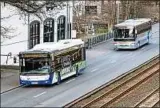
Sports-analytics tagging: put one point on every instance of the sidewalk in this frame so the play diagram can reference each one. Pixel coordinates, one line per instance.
(9, 79)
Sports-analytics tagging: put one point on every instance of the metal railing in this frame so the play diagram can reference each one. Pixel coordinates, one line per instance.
(91, 41)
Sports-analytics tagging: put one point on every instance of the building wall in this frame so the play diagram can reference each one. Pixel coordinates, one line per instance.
(80, 6)
(95, 3)
(20, 40)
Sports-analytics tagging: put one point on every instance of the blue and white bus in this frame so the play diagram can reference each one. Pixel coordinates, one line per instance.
(132, 33)
(50, 62)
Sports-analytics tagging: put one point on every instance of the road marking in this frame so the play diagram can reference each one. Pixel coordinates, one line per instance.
(70, 80)
(94, 70)
(143, 48)
(113, 61)
(39, 94)
(130, 53)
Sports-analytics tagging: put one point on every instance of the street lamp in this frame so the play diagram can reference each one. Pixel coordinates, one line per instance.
(117, 2)
(0, 21)
(28, 42)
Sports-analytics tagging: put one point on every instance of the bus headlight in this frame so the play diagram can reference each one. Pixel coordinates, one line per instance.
(115, 43)
(46, 77)
(132, 44)
(22, 77)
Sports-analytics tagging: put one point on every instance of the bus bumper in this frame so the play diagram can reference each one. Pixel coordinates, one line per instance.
(24, 82)
(125, 46)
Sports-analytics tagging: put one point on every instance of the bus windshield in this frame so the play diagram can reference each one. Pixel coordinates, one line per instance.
(124, 33)
(35, 65)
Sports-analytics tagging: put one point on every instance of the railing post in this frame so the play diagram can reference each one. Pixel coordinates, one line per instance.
(90, 43)
(86, 44)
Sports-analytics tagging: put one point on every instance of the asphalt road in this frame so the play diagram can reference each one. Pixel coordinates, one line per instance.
(104, 64)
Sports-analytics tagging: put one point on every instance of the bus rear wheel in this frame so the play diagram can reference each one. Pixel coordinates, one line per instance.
(148, 41)
(77, 71)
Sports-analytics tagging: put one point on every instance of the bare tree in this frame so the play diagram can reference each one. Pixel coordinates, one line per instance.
(78, 18)
(136, 9)
(109, 12)
(34, 7)
(25, 7)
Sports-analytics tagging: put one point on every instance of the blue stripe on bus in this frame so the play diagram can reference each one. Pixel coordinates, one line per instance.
(51, 75)
(49, 81)
(35, 82)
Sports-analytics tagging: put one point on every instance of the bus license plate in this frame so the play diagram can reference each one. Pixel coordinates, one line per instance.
(34, 82)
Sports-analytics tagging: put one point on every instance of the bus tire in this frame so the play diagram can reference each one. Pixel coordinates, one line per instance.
(77, 71)
(147, 40)
(77, 74)
(59, 78)
(138, 44)
(116, 49)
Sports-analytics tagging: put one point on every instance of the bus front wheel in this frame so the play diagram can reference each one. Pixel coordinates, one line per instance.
(116, 49)
(59, 79)
(138, 44)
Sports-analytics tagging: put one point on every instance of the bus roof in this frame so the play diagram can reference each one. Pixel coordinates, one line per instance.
(133, 22)
(55, 46)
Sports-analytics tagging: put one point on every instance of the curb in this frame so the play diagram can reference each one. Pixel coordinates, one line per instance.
(12, 89)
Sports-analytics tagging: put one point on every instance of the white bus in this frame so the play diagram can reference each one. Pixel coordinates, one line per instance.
(51, 62)
(132, 33)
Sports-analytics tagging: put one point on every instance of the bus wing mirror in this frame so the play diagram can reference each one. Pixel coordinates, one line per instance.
(135, 31)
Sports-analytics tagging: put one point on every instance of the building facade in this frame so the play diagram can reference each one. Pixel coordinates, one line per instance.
(30, 30)
(85, 7)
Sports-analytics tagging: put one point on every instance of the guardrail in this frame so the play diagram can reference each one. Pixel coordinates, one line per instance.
(91, 41)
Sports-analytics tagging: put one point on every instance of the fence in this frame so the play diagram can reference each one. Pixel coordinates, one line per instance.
(91, 41)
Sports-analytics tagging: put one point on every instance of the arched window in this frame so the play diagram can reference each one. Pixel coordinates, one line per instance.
(61, 28)
(34, 33)
(48, 30)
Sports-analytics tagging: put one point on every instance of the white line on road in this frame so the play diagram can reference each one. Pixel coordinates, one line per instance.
(94, 70)
(130, 53)
(70, 80)
(113, 61)
(39, 94)
(143, 48)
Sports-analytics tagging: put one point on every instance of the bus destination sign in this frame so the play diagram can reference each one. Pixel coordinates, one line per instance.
(34, 55)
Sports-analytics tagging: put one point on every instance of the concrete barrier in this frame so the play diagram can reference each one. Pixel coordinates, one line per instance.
(8, 67)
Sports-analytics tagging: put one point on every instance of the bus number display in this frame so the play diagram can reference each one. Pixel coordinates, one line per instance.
(34, 55)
